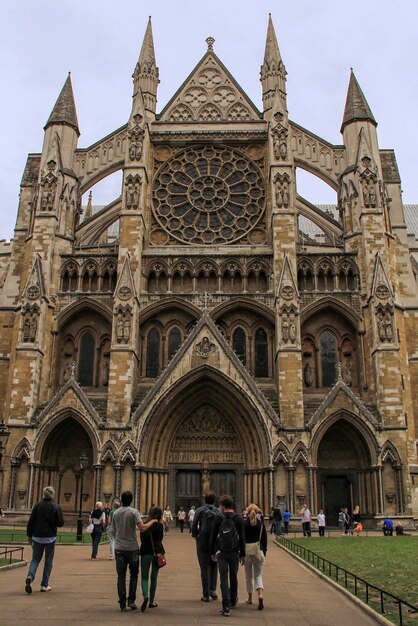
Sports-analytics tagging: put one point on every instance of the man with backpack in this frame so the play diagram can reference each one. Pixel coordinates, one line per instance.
(201, 530)
(227, 547)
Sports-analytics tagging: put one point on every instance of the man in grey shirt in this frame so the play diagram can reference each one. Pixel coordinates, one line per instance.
(125, 522)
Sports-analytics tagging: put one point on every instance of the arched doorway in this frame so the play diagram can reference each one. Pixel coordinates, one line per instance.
(344, 475)
(204, 434)
(60, 465)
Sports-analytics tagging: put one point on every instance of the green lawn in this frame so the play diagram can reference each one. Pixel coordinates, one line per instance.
(387, 562)
(62, 537)
(7, 562)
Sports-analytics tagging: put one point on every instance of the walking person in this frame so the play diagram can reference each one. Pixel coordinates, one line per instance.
(41, 530)
(286, 520)
(201, 531)
(181, 516)
(98, 519)
(190, 517)
(357, 525)
(125, 521)
(255, 550)
(278, 518)
(341, 517)
(227, 547)
(321, 523)
(151, 545)
(109, 529)
(306, 520)
(347, 522)
(167, 519)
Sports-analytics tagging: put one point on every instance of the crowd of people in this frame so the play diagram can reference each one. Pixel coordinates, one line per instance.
(224, 540)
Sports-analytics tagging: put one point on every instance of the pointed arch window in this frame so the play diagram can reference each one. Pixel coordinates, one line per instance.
(239, 345)
(328, 350)
(174, 342)
(261, 365)
(153, 353)
(86, 360)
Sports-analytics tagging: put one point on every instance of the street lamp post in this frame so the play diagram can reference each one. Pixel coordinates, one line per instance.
(83, 464)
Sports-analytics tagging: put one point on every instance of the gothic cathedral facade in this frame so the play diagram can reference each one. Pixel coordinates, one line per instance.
(193, 332)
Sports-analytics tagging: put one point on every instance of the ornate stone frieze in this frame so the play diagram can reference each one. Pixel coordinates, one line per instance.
(205, 347)
(133, 191)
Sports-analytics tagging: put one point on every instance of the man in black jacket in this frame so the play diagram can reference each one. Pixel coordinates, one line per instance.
(227, 547)
(201, 530)
(42, 526)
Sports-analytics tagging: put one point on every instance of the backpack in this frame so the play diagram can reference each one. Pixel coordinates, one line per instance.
(206, 521)
(228, 538)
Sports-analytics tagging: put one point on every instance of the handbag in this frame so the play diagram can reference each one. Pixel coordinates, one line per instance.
(90, 528)
(160, 560)
(253, 549)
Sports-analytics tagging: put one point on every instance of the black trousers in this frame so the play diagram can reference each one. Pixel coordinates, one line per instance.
(125, 558)
(228, 573)
(208, 569)
(306, 529)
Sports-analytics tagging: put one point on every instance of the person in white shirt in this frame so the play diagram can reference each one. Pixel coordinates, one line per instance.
(167, 519)
(321, 523)
(190, 516)
(306, 520)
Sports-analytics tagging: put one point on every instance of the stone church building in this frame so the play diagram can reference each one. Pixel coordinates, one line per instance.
(210, 327)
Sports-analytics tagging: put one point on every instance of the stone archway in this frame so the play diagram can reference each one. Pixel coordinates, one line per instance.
(204, 434)
(345, 477)
(59, 466)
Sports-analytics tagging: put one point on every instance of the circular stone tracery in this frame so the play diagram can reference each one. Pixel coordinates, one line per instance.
(208, 195)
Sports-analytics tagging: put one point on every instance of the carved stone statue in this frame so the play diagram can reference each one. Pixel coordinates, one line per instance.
(292, 331)
(26, 328)
(285, 330)
(381, 327)
(126, 330)
(33, 329)
(347, 375)
(308, 374)
(119, 328)
(388, 327)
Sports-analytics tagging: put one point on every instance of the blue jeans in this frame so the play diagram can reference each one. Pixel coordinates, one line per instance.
(228, 563)
(123, 559)
(96, 536)
(38, 549)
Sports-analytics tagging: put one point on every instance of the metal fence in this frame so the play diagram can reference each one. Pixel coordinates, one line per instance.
(7, 554)
(353, 583)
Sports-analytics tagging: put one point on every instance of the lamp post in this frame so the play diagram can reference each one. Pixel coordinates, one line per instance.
(83, 464)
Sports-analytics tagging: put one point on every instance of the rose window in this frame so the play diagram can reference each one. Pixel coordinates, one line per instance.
(208, 195)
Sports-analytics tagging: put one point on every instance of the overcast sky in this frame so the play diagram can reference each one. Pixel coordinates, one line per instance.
(99, 42)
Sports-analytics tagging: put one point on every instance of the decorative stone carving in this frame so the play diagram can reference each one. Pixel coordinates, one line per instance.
(308, 375)
(205, 347)
(289, 332)
(287, 292)
(282, 182)
(123, 324)
(136, 138)
(384, 322)
(30, 314)
(133, 191)
(117, 435)
(49, 187)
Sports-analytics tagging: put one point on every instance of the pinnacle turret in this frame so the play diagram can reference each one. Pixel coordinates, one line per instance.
(356, 106)
(273, 71)
(146, 75)
(64, 111)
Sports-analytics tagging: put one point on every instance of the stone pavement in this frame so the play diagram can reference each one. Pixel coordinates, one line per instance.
(84, 592)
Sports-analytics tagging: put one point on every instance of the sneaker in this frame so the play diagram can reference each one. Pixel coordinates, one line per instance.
(224, 612)
(213, 595)
(45, 588)
(205, 599)
(132, 606)
(28, 585)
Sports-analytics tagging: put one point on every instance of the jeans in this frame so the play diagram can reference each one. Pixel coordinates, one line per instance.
(38, 549)
(96, 536)
(147, 563)
(228, 573)
(111, 538)
(208, 569)
(306, 529)
(123, 559)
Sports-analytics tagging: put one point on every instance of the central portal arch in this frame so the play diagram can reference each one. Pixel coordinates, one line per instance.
(205, 434)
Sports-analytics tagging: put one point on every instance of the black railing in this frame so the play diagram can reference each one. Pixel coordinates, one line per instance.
(353, 583)
(7, 553)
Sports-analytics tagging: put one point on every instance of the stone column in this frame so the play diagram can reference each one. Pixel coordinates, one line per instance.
(98, 469)
(117, 470)
(13, 475)
(399, 490)
(291, 487)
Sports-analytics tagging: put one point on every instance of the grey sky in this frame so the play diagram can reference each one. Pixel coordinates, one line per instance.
(99, 41)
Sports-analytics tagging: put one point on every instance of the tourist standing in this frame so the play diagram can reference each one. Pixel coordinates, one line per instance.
(98, 519)
(306, 520)
(41, 529)
(255, 550)
(201, 531)
(110, 535)
(125, 521)
(227, 547)
(387, 527)
(167, 519)
(286, 520)
(151, 545)
(341, 517)
(347, 521)
(321, 523)
(190, 517)
(278, 518)
(181, 516)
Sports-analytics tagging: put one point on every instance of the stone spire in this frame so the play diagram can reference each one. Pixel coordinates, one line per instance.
(89, 208)
(356, 106)
(146, 75)
(64, 111)
(273, 72)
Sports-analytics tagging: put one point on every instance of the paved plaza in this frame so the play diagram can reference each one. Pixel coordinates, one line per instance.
(84, 592)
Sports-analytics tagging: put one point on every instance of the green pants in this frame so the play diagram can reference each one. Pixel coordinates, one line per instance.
(147, 562)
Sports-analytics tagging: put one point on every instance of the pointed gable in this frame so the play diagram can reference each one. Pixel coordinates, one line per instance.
(381, 286)
(210, 94)
(35, 285)
(70, 396)
(356, 105)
